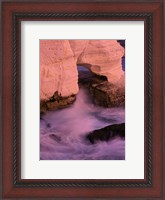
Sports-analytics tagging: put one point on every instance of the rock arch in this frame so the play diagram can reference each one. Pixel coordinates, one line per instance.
(59, 60)
(102, 57)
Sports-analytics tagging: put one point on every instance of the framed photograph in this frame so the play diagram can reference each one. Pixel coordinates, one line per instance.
(82, 100)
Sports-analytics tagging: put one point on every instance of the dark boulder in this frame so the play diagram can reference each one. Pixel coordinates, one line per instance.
(104, 93)
(107, 95)
(107, 133)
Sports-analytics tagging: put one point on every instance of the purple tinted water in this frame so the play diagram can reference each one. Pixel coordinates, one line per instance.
(63, 131)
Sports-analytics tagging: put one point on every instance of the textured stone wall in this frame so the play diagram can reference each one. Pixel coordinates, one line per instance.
(103, 57)
(58, 69)
(59, 60)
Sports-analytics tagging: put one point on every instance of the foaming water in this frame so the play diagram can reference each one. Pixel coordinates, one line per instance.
(63, 132)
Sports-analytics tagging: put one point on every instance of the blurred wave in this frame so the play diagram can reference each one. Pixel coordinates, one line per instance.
(63, 132)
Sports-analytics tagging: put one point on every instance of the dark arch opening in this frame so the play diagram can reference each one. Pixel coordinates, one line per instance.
(85, 75)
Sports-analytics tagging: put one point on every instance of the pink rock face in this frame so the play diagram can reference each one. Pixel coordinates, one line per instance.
(78, 47)
(58, 69)
(59, 60)
(103, 57)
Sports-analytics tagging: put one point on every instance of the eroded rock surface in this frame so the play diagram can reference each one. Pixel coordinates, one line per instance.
(56, 101)
(106, 94)
(58, 69)
(59, 74)
(102, 92)
(107, 133)
(103, 57)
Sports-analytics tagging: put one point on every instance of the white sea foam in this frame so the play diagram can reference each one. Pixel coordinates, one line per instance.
(63, 132)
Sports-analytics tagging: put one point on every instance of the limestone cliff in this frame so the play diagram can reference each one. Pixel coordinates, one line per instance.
(102, 57)
(58, 67)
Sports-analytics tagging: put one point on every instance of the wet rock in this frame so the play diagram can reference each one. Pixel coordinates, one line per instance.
(56, 102)
(106, 94)
(107, 133)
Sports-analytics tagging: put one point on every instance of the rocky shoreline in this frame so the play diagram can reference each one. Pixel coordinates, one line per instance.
(103, 93)
(59, 60)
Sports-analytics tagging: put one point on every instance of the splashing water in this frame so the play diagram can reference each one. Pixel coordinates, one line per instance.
(63, 132)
